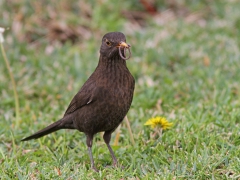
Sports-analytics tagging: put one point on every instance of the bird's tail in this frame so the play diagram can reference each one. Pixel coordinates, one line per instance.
(60, 124)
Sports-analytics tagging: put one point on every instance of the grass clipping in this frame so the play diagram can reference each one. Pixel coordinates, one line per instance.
(11, 77)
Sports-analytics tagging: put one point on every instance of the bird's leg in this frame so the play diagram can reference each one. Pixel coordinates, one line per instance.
(89, 144)
(107, 138)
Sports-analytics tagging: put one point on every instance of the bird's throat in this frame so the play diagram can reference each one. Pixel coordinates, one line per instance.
(112, 69)
(112, 62)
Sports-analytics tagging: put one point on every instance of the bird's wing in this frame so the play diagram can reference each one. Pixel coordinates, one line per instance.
(84, 97)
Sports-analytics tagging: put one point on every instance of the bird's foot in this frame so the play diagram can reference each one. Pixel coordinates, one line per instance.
(95, 169)
(115, 166)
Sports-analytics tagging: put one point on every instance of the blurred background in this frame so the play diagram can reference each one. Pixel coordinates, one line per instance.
(169, 39)
(185, 59)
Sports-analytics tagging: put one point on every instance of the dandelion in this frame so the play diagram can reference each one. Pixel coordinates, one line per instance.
(159, 122)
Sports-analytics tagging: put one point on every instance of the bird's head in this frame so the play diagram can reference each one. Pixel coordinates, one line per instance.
(114, 45)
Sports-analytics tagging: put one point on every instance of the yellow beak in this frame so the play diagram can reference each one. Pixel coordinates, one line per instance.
(123, 44)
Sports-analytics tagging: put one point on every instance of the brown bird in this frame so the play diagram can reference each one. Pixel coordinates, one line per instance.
(104, 99)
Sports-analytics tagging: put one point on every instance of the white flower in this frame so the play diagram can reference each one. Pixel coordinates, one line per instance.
(1, 34)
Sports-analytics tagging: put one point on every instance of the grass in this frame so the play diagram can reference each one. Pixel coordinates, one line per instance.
(186, 69)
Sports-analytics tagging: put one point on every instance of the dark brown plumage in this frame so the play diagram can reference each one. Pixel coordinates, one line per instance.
(104, 99)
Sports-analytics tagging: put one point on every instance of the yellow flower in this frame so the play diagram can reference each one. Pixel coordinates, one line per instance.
(160, 122)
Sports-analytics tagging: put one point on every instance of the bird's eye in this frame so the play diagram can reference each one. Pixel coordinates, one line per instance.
(108, 43)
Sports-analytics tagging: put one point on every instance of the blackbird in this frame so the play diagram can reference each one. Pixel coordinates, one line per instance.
(104, 99)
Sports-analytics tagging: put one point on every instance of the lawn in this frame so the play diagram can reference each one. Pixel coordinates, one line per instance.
(186, 63)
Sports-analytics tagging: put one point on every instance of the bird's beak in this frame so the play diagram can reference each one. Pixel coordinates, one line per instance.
(123, 45)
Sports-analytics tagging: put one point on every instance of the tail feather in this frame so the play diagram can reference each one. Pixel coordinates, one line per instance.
(60, 124)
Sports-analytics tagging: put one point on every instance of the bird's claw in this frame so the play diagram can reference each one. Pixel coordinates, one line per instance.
(114, 166)
(95, 169)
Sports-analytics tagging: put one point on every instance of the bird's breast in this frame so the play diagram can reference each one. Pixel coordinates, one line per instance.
(115, 93)
(115, 101)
